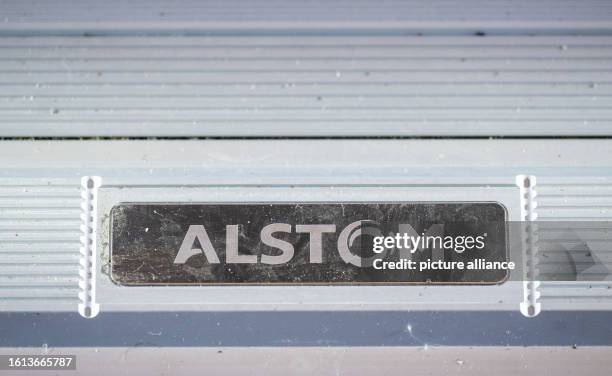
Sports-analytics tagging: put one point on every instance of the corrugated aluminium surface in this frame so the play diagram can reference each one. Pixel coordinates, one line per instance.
(40, 232)
(160, 15)
(305, 68)
(586, 199)
(305, 86)
(39, 244)
(295, 68)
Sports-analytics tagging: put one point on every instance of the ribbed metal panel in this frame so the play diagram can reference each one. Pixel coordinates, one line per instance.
(295, 10)
(19, 12)
(39, 219)
(39, 246)
(583, 208)
(305, 86)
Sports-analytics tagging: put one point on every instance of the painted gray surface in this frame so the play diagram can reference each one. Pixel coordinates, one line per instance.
(228, 329)
(354, 361)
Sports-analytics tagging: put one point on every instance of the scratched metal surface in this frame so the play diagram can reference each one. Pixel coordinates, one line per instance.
(145, 239)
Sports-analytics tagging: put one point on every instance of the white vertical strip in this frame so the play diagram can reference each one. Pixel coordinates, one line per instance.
(530, 306)
(88, 307)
